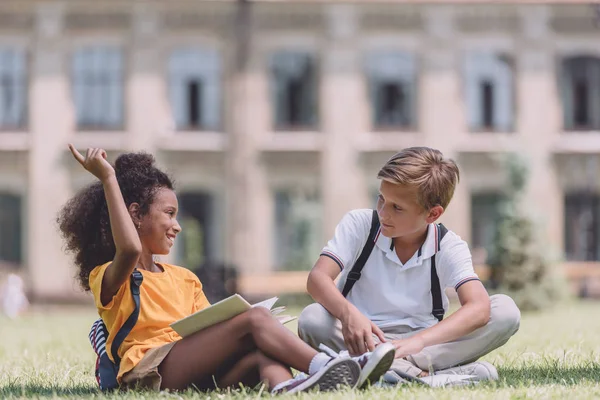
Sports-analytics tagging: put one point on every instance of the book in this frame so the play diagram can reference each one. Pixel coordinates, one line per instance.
(222, 311)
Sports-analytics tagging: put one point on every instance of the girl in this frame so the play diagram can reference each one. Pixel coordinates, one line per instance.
(117, 225)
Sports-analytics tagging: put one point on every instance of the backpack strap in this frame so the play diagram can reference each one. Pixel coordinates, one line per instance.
(135, 282)
(436, 290)
(354, 274)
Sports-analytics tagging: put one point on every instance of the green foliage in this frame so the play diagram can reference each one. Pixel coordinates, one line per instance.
(520, 264)
(193, 240)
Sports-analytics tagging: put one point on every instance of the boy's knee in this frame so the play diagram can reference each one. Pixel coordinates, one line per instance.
(313, 320)
(505, 314)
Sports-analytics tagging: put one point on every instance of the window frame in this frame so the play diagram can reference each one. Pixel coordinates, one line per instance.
(491, 66)
(313, 119)
(22, 82)
(197, 63)
(379, 73)
(119, 82)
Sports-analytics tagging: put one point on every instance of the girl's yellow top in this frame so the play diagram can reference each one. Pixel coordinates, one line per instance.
(165, 297)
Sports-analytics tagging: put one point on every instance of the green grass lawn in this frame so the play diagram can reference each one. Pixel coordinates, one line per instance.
(556, 354)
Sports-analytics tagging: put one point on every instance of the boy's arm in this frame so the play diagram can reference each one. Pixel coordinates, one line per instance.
(473, 314)
(357, 329)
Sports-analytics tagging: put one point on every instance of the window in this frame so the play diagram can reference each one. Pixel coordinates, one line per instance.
(10, 229)
(195, 89)
(581, 93)
(582, 225)
(489, 92)
(297, 230)
(392, 89)
(13, 89)
(98, 88)
(484, 219)
(294, 86)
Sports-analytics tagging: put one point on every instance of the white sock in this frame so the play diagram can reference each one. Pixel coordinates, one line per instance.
(318, 362)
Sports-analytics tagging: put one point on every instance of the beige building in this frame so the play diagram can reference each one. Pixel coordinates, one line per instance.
(274, 117)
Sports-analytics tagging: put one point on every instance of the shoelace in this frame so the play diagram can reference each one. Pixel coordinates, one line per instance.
(342, 354)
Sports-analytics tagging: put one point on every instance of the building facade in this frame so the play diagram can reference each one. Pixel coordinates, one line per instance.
(274, 117)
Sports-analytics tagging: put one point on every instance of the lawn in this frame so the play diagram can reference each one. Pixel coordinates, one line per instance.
(556, 354)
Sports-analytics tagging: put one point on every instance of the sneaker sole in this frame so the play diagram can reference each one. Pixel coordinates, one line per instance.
(341, 372)
(374, 370)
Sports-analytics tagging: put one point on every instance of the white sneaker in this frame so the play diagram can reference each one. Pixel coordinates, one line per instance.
(337, 372)
(373, 364)
(480, 370)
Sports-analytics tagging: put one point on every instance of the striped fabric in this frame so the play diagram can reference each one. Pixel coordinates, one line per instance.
(98, 336)
(334, 257)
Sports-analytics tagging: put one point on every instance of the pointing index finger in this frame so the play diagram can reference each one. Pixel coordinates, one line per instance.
(76, 154)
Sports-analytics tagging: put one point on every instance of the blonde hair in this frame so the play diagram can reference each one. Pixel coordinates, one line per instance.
(426, 169)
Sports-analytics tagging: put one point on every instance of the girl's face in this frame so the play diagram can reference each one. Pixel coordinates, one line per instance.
(160, 227)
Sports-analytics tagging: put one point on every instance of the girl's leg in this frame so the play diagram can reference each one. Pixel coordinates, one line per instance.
(201, 355)
(254, 369)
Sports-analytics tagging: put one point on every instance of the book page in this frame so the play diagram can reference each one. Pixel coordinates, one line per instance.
(268, 303)
(284, 319)
(278, 310)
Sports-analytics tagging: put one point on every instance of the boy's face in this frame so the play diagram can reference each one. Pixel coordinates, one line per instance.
(399, 212)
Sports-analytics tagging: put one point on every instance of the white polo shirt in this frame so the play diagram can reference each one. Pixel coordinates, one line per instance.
(390, 293)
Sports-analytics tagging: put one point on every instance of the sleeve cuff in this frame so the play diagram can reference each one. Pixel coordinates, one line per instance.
(462, 282)
(334, 258)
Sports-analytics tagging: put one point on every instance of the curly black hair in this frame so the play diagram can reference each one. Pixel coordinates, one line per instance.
(84, 221)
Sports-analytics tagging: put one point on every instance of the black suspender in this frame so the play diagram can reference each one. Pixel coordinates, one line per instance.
(355, 272)
(436, 290)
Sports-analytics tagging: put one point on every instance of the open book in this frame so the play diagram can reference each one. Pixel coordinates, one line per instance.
(224, 310)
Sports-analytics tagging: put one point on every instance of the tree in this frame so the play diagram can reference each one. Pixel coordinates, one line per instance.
(520, 266)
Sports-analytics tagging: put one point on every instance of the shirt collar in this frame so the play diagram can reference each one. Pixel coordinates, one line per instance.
(427, 249)
(429, 246)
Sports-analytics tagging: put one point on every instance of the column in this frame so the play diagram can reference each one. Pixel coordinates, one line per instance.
(343, 117)
(146, 96)
(246, 211)
(442, 114)
(540, 123)
(51, 123)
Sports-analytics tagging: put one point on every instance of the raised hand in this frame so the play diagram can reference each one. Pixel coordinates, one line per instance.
(95, 162)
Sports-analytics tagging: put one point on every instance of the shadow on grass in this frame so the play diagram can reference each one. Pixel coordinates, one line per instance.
(552, 373)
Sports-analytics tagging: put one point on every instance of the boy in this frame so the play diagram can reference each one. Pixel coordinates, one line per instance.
(398, 297)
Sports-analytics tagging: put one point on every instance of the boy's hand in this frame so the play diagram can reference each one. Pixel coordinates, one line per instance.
(95, 162)
(407, 347)
(358, 332)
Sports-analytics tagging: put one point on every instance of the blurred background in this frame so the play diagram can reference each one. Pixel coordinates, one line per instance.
(275, 116)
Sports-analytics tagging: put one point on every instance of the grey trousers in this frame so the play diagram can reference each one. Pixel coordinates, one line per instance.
(316, 325)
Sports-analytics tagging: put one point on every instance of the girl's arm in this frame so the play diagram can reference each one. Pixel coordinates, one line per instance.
(127, 241)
